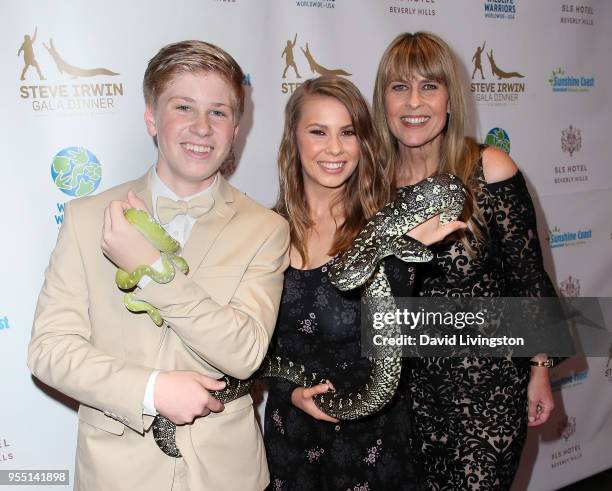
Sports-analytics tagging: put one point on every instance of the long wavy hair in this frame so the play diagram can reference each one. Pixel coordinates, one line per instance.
(429, 56)
(365, 192)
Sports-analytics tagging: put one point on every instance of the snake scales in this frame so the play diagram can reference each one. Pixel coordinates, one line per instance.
(360, 266)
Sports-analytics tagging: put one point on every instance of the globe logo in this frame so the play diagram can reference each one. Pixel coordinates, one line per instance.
(498, 137)
(76, 171)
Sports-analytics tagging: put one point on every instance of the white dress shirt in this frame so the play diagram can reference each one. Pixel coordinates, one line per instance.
(180, 229)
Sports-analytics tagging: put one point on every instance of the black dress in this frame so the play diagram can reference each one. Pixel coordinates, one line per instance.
(470, 414)
(319, 327)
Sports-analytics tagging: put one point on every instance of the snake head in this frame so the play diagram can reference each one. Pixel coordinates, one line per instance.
(385, 234)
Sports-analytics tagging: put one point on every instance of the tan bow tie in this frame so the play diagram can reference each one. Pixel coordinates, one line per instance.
(167, 208)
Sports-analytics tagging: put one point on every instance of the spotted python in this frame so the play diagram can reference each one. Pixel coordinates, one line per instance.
(360, 266)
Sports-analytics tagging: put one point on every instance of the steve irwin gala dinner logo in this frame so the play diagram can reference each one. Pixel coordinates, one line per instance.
(52, 82)
(493, 82)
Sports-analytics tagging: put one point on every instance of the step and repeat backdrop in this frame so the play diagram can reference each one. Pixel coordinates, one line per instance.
(537, 83)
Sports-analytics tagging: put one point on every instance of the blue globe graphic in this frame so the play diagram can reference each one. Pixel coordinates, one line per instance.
(76, 171)
(498, 137)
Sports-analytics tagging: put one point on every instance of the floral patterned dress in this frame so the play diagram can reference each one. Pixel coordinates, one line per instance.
(319, 327)
(470, 414)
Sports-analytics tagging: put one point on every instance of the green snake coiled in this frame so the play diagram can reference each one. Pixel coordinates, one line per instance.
(360, 266)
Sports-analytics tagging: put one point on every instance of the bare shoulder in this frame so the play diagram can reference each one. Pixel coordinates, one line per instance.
(497, 165)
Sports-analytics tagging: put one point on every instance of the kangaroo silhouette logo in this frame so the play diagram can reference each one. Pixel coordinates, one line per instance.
(27, 48)
(315, 67)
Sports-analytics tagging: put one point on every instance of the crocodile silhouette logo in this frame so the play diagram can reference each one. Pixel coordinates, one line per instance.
(315, 66)
(498, 72)
(74, 71)
(321, 70)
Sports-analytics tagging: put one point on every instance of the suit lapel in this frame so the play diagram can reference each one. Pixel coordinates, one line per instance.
(142, 189)
(206, 230)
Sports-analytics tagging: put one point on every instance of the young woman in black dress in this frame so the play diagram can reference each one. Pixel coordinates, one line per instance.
(470, 415)
(330, 184)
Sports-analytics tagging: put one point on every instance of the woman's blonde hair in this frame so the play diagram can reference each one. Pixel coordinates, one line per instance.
(365, 192)
(429, 56)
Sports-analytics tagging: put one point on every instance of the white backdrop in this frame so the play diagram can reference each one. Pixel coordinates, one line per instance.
(546, 88)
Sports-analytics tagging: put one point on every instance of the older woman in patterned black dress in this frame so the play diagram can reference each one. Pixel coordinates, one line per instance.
(470, 415)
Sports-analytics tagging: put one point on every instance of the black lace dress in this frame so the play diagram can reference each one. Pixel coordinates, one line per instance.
(319, 327)
(470, 414)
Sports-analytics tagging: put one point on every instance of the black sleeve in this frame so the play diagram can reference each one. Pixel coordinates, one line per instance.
(516, 238)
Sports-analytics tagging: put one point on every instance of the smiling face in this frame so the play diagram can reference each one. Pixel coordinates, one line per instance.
(416, 111)
(195, 124)
(327, 143)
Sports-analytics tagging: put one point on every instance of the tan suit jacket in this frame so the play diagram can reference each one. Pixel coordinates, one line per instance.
(220, 319)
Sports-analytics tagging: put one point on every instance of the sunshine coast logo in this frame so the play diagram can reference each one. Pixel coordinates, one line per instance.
(317, 4)
(500, 9)
(498, 87)
(413, 7)
(571, 171)
(497, 137)
(291, 72)
(76, 172)
(60, 95)
(576, 14)
(568, 381)
(562, 82)
(558, 238)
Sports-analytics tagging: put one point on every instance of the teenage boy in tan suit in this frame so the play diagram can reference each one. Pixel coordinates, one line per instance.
(219, 318)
